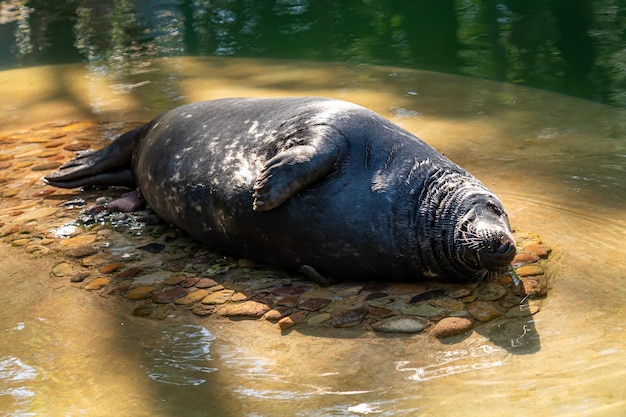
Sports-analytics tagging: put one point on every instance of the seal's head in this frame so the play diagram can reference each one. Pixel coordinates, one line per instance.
(483, 236)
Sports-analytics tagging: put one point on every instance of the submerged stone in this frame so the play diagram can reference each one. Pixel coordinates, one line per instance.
(483, 311)
(539, 249)
(140, 292)
(219, 297)
(401, 324)
(97, 284)
(314, 304)
(452, 326)
(292, 320)
(251, 309)
(491, 292)
(192, 297)
(170, 295)
(349, 318)
(318, 319)
(62, 269)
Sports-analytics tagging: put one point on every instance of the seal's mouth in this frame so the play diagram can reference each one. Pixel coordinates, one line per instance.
(485, 246)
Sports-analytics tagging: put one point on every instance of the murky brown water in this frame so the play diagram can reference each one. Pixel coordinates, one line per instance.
(559, 165)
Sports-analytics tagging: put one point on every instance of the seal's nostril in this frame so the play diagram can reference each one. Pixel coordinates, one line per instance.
(505, 247)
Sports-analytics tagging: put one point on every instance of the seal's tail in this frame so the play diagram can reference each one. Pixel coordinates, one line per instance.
(108, 166)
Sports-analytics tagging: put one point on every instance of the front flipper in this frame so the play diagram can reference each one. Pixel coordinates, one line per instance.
(295, 168)
(315, 276)
(108, 166)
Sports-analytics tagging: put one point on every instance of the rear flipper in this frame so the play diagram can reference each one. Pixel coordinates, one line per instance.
(108, 166)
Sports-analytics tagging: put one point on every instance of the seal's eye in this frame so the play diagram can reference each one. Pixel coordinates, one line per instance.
(497, 211)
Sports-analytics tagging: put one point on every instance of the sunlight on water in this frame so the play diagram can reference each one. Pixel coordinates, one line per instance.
(181, 356)
(447, 363)
(15, 378)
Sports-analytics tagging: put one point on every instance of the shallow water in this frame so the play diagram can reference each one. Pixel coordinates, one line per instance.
(558, 164)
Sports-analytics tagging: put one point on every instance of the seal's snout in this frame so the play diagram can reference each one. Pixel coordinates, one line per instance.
(502, 253)
(506, 250)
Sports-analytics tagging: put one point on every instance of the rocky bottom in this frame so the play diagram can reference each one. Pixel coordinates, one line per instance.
(158, 269)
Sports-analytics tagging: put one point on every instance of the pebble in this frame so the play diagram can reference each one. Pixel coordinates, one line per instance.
(539, 249)
(245, 309)
(170, 295)
(238, 296)
(219, 297)
(11, 229)
(151, 279)
(452, 326)
(509, 301)
(290, 301)
(81, 252)
(483, 311)
(289, 291)
(491, 292)
(175, 280)
(37, 249)
(378, 312)
(96, 284)
(200, 309)
(530, 287)
(318, 319)
(458, 292)
(140, 292)
(96, 259)
(189, 282)
(110, 268)
(349, 318)
(293, 319)
(36, 214)
(314, 304)
(192, 297)
(424, 310)
(449, 304)
(128, 273)
(401, 324)
(318, 293)
(348, 291)
(277, 313)
(80, 277)
(524, 258)
(62, 269)
(529, 270)
(205, 283)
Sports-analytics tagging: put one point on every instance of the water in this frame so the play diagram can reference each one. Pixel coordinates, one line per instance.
(557, 163)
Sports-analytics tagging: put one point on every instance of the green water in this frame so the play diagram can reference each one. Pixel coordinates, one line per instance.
(559, 45)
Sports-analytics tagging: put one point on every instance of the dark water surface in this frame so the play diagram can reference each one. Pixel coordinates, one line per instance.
(573, 47)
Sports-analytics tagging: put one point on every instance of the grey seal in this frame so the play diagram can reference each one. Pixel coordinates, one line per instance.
(318, 184)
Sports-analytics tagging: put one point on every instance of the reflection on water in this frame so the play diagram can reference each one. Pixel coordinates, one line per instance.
(558, 164)
(180, 356)
(15, 381)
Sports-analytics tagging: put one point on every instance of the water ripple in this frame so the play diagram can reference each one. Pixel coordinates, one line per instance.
(14, 376)
(180, 356)
(452, 362)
